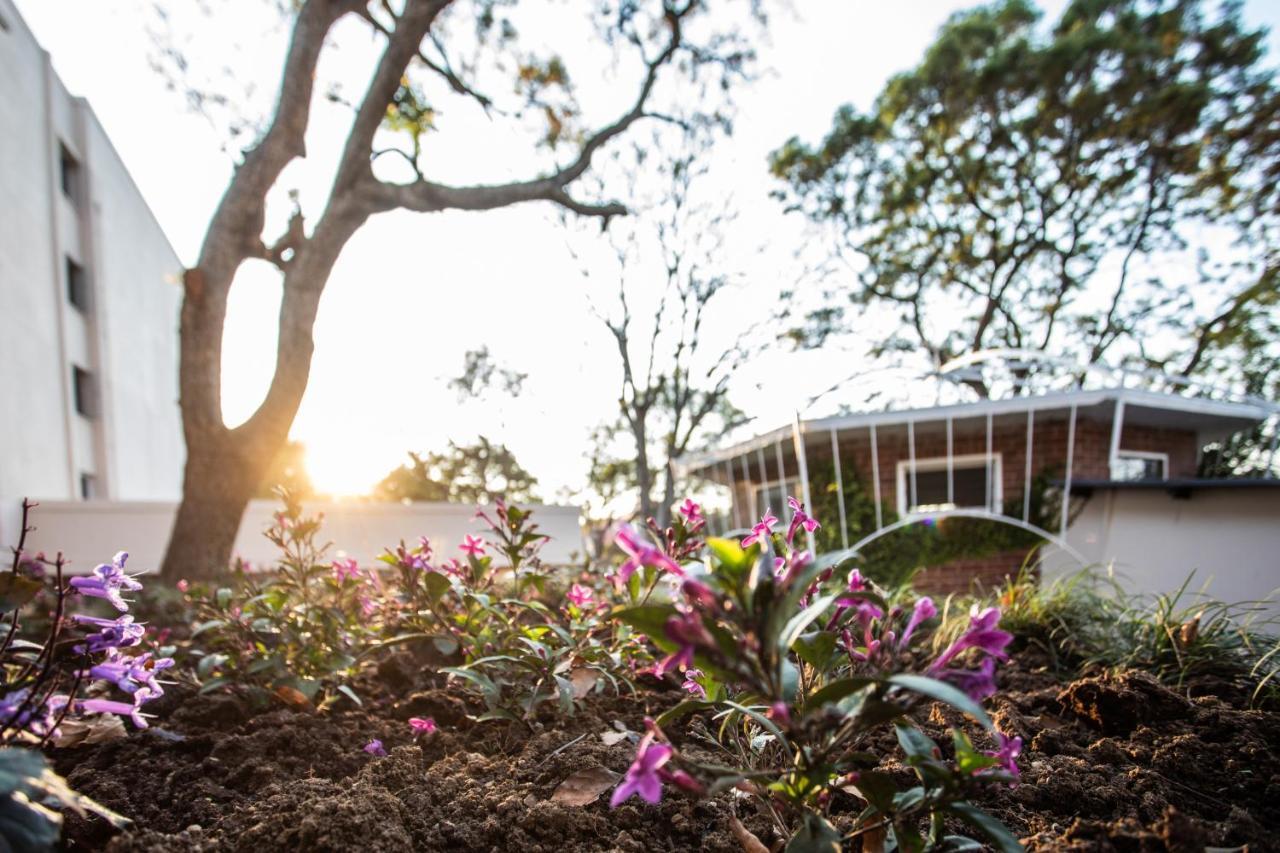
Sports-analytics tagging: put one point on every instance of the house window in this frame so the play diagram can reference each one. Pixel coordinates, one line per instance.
(69, 169)
(88, 487)
(773, 496)
(77, 286)
(1135, 465)
(82, 391)
(974, 483)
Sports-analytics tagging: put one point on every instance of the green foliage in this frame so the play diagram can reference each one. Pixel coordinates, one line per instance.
(32, 798)
(987, 187)
(298, 626)
(475, 473)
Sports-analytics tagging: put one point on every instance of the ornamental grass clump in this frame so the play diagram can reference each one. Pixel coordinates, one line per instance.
(801, 665)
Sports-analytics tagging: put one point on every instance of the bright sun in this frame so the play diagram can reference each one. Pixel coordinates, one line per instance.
(344, 469)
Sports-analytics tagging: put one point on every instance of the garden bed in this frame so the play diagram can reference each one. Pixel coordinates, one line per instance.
(1110, 762)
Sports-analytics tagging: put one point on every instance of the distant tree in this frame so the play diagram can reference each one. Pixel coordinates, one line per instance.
(472, 474)
(1015, 188)
(480, 373)
(434, 52)
(677, 355)
(289, 471)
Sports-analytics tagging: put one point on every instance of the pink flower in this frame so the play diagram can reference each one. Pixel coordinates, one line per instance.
(422, 726)
(692, 513)
(799, 519)
(640, 553)
(473, 545)
(1009, 748)
(762, 531)
(856, 582)
(923, 610)
(345, 569)
(580, 596)
(688, 632)
(691, 684)
(183, 585)
(982, 633)
(643, 777)
(375, 748)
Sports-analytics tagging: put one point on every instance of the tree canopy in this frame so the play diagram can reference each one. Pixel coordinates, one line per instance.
(477, 473)
(1031, 187)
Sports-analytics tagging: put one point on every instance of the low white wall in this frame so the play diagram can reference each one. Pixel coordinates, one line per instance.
(89, 533)
(1230, 538)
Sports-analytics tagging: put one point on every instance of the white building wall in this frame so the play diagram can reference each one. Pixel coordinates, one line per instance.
(1229, 537)
(127, 340)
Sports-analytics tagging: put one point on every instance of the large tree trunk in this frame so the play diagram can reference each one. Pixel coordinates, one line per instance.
(220, 479)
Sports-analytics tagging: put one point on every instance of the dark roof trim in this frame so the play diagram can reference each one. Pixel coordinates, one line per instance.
(1178, 487)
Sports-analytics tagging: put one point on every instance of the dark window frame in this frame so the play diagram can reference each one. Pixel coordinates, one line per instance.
(84, 392)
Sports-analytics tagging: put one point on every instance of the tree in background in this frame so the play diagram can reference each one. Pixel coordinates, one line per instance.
(434, 52)
(673, 393)
(477, 473)
(1016, 188)
(288, 471)
(480, 373)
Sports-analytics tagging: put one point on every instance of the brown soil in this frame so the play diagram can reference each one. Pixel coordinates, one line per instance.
(1110, 763)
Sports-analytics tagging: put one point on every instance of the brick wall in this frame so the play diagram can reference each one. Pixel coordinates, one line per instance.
(981, 574)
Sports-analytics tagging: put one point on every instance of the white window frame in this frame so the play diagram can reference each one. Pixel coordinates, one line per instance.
(757, 506)
(939, 463)
(1145, 454)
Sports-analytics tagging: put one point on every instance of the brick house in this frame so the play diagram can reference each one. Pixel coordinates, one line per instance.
(1026, 463)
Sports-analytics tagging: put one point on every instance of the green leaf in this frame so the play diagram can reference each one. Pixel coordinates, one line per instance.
(943, 692)
(16, 590)
(649, 619)
(684, 709)
(436, 585)
(877, 789)
(815, 836)
(796, 625)
(731, 557)
(996, 832)
(968, 759)
(345, 690)
(916, 743)
(491, 691)
(836, 690)
(816, 648)
(764, 721)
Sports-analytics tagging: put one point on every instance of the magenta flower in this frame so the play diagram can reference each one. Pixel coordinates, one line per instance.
(923, 610)
(977, 684)
(424, 548)
(579, 595)
(1006, 755)
(107, 580)
(375, 748)
(692, 512)
(762, 531)
(799, 519)
(856, 582)
(643, 776)
(691, 684)
(345, 569)
(472, 545)
(640, 553)
(698, 593)
(982, 633)
(688, 632)
(422, 726)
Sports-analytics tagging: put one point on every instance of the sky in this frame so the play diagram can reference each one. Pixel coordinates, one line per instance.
(412, 293)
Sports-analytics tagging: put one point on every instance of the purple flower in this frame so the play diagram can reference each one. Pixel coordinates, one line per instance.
(691, 684)
(374, 747)
(345, 569)
(982, 633)
(799, 519)
(125, 709)
(692, 513)
(856, 582)
(107, 580)
(34, 718)
(688, 632)
(422, 726)
(472, 545)
(643, 776)
(977, 684)
(120, 632)
(1009, 748)
(762, 531)
(640, 553)
(923, 610)
(132, 674)
(578, 595)
(698, 593)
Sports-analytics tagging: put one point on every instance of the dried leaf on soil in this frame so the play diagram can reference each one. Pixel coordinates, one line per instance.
(585, 786)
(99, 729)
(610, 738)
(293, 697)
(583, 681)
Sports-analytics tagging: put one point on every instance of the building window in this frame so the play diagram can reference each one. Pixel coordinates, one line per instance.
(1137, 465)
(77, 286)
(88, 487)
(69, 168)
(82, 391)
(773, 496)
(974, 483)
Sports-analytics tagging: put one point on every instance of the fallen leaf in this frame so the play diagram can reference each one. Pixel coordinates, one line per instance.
(100, 728)
(610, 738)
(293, 697)
(583, 681)
(585, 786)
(747, 838)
